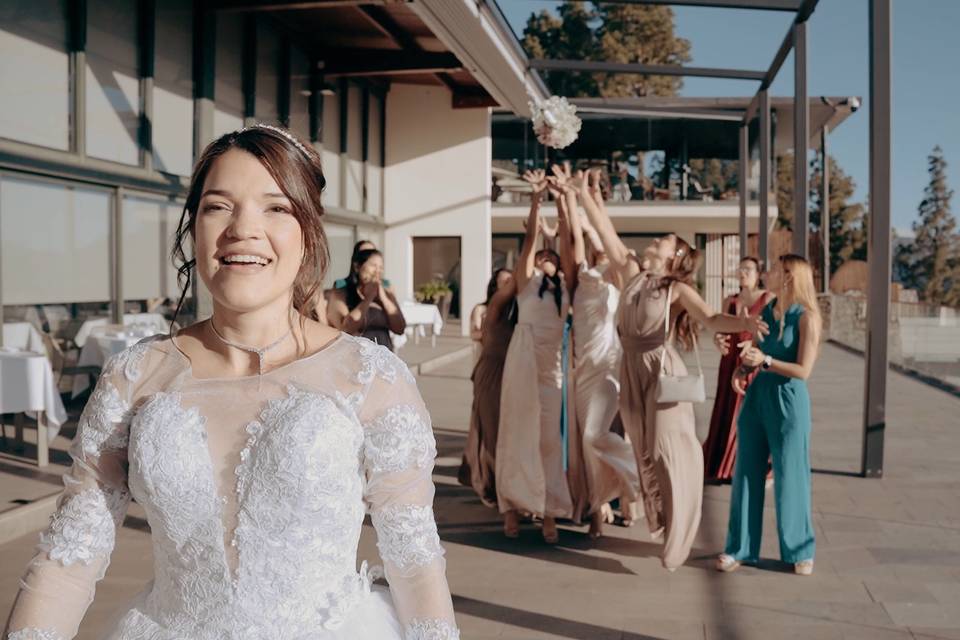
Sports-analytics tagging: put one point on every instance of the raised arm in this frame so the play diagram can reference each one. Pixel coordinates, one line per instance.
(572, 253)
(500, 298)
(395, 319)
(617, 252)
(567, 265)
(525, 264)
(570, 184)
(75, 549)
(715, 322)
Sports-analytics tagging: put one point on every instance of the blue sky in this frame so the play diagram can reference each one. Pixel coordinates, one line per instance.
(926, 76)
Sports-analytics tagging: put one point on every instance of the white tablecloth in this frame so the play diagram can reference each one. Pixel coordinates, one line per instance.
(23, 336)
(419, 318)
(422, 316)
(155, 321)
(96, 349)
(27, 384)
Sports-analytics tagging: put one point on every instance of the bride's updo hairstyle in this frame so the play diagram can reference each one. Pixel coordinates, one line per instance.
(295, 166)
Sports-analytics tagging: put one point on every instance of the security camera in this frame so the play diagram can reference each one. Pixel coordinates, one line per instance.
(853, 103)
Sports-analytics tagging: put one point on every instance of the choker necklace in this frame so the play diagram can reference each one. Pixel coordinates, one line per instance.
(259, 351)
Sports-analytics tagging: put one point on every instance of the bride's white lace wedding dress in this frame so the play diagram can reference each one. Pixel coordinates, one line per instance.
(255, 489)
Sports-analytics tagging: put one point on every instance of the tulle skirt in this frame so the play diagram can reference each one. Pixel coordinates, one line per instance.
(373, 617)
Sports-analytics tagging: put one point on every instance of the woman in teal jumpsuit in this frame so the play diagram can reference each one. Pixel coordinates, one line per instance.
(774, 424)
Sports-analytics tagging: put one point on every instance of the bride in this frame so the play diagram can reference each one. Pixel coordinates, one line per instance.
(256, 441)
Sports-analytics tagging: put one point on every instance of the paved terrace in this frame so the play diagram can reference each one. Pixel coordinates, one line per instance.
(888, 562)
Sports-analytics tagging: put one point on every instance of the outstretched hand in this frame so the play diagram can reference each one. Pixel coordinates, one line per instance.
(537, 179)
(722, 342)
(590, 187)
(564, 179)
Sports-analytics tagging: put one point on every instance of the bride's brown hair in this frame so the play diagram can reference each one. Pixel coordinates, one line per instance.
(681, 268)
(295, 166)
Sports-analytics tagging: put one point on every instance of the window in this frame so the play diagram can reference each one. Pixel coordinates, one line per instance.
(354, 181)
(113, 85)
(374, 180)
(63, 233)
(149, 224)
(340, 239)
(330, 155)
(173, 88)
(300, 94)
(35, 72)
(268, 82)
(228, 82)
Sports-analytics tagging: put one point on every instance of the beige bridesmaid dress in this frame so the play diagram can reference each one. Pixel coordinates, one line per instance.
(529, 453)
(610, 468)
(668, 453)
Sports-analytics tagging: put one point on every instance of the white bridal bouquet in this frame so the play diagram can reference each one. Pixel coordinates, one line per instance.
(555, 121)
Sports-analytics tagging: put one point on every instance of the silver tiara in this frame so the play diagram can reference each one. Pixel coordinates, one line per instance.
(286, 134)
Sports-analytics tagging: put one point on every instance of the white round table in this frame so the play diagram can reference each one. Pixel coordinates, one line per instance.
(23, 336)
(97, 349)
(154, 321)
(27, 385)
(420, 317)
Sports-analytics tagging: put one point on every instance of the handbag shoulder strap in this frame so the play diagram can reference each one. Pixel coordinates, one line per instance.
(666, 336)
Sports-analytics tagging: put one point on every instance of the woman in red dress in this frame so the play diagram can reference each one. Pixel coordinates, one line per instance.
(720, 448)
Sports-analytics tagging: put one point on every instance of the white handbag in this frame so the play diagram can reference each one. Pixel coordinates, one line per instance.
(673, 389)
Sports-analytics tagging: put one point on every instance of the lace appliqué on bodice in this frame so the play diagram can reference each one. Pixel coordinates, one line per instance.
(273, 553)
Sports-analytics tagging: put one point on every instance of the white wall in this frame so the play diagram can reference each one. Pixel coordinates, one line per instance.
(437, 183)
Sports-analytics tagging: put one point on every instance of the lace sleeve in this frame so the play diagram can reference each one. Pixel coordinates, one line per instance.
(399, 450)
(74, 550)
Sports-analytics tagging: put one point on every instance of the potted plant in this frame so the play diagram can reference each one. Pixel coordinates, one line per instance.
(430, 292)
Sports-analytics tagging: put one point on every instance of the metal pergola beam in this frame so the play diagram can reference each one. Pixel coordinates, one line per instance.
(666, 112)
(766, 5)
(803, 14)
(230, 6)
(825, 209)
(878, 248)
(742, 186)
(647, 69)
(764, 230)
(801, 137)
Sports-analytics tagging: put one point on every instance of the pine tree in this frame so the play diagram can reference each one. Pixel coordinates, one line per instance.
(640, 34)
(609, 32)
(568, 36)
(931, 263)
(784, 186)
(848, 220)
(848, 231)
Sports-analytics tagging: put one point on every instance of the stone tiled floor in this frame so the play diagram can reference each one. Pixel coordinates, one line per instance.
(888, 561)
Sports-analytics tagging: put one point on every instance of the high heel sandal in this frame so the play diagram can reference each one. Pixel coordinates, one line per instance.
(596, 525)
(550, 533)
(626, 513)
(511, 525)
(727, 563)
(607, 512)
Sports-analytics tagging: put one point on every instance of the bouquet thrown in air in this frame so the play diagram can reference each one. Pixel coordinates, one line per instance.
(555, 121)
